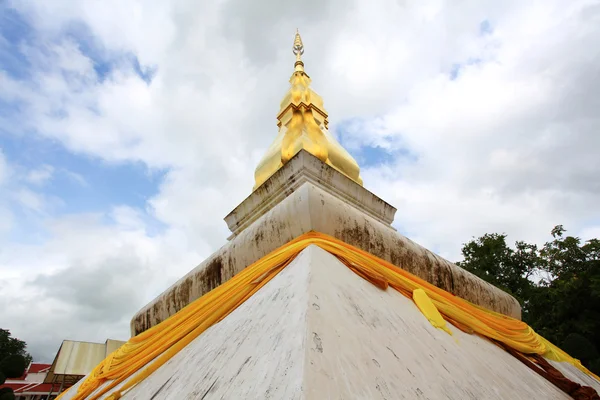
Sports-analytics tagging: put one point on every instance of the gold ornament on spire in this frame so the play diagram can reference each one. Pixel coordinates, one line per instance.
(298, 50)
(302, 122)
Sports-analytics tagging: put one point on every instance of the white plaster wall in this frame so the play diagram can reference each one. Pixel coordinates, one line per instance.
(310, 208)
(319, 331)
(574, 374)
(35, 377)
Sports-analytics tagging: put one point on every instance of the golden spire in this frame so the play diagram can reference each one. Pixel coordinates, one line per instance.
(303, 125)
(298, 50)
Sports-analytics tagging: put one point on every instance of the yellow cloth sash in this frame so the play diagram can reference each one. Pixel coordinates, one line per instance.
(148, 351)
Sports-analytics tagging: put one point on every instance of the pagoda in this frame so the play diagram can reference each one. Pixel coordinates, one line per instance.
(316, 296)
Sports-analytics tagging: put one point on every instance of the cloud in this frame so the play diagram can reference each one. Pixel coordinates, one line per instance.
(29, 200)
(75, 177)
(505, 146)
(41, 175)
(84, 282)
(6, 219)
(5, 214)
(483, 114)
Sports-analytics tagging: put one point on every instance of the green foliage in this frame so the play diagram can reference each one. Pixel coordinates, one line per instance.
(595, 365)
(13, 361)
(558, 286)
(13, 366)
(7, 394)
(10, 346)
(491, 259)
(580, 347)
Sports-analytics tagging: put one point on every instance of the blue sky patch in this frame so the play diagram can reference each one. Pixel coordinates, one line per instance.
(104, 61)
(485, 28)
(79, 183)
(348, 133)
(14, 32)
(457, 68)
(88, 46)
(454, 71)
(85, 184)
(145, 72)
(373, 155)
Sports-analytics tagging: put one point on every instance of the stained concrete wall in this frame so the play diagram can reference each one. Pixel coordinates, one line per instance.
(310, 208)
(319, 331)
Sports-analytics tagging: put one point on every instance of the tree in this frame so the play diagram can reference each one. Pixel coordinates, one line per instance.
(12, 366)
(10, 346)
(558, 286)
(581, 348)
(13, 361)
(491, 259)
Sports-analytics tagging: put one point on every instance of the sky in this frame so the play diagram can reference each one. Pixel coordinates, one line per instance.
(129, 129)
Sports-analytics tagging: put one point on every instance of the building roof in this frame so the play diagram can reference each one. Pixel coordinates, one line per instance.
(76, 359)
(20, 385)
(31, 388)
(36, 367)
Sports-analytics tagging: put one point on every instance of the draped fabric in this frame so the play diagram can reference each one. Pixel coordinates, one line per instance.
(148, 351)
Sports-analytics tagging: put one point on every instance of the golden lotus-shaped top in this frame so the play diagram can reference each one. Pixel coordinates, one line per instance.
(303, 125)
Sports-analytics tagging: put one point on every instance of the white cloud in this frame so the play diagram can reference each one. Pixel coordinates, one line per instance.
(29, 199)
(507, 146)
(6, 219)
(75, 177)
(4, 169)
(84, 283)
(40, 175)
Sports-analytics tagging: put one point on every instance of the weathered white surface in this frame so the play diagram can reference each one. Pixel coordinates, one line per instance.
(256, 352)
(319, 331)
(302, 168)
(310, 208)
(576, 375)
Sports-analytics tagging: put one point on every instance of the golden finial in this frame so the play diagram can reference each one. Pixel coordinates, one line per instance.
(302, 122)
(298, 50)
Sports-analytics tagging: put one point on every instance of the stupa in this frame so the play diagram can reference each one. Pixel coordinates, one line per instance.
(317, 296)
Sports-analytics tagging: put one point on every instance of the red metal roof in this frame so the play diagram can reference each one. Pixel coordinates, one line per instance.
(19, 385)
(13, 386)
(31, 387)
(34, 368)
